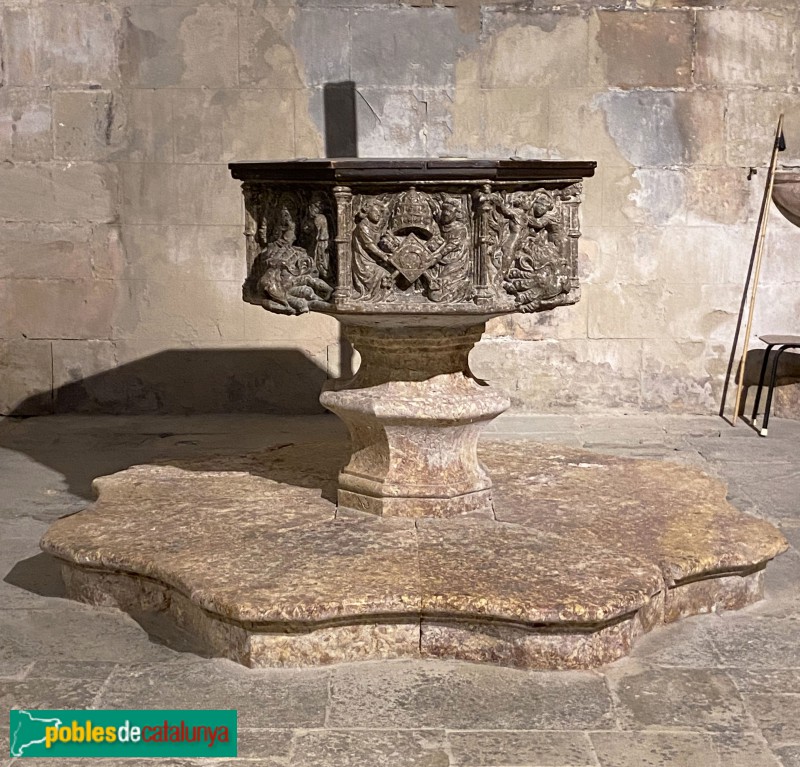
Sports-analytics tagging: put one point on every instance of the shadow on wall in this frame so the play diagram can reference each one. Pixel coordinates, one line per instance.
(341, 126)
(189, 381)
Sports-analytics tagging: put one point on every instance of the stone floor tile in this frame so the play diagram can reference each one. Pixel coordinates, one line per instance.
(682, 749)
(655, 749)
(544, 437)
(5, 759)
(49, 693)
(677, 699)
(511, 748)
(791, 531)
(128, 762)
(15, 663)
(55, 459)
(30, 580)
(354, 748)
(39, 491)
(747, 640)
(695, 426)
(744, 749)
(742, 501)
(622, 433)
(22, 532)
(264, 698)
(686, 643)
(765, 680)
(255, 763)
(614, 431)
(620, 420)
(772, 486)
(778, 717)
(414, 694)
(534, 425)
(789, 755)
(86, 669)
(782, 588)
(267, 745)
(780, 507)
(738, 451)
(654, 452)
(688, 457)
(78, 632)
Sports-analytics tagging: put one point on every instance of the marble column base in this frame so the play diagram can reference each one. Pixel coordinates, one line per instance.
(249, 554)
(414, 412)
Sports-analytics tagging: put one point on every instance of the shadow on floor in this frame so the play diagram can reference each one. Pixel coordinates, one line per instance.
(179, 382)
(276, 382)
(40, 574)
(290, 463)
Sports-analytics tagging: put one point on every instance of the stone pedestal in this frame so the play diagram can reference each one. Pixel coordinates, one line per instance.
(587, 553)
(414, 411)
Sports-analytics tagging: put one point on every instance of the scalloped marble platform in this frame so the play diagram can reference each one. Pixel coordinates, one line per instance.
(586, 552)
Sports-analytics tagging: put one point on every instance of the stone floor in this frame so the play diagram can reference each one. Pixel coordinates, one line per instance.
(712, 690)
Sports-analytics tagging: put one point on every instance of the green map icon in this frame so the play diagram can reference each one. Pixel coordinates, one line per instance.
(28, 730)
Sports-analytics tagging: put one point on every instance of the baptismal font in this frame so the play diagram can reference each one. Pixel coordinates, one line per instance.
(434, 544)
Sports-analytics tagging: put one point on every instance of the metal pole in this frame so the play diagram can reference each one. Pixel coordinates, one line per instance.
(760, 233)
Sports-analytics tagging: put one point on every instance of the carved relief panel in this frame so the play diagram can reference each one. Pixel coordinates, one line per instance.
(291, 267)
(506, 249)
(530, 245)
(412, 246)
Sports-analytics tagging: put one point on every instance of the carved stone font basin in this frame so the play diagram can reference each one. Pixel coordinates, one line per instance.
(412, 257)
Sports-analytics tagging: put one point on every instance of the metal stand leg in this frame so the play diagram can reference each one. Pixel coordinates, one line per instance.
(760, 383)
(772, 380)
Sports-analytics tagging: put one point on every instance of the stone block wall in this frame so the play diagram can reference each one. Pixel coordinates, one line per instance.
(121, 247)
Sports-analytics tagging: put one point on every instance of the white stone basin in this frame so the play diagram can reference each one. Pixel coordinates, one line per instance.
(786, 194)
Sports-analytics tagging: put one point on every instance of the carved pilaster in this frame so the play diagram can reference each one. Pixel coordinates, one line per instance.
(572, 198)
(344, 233)
(482, 253)
(250, 223)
